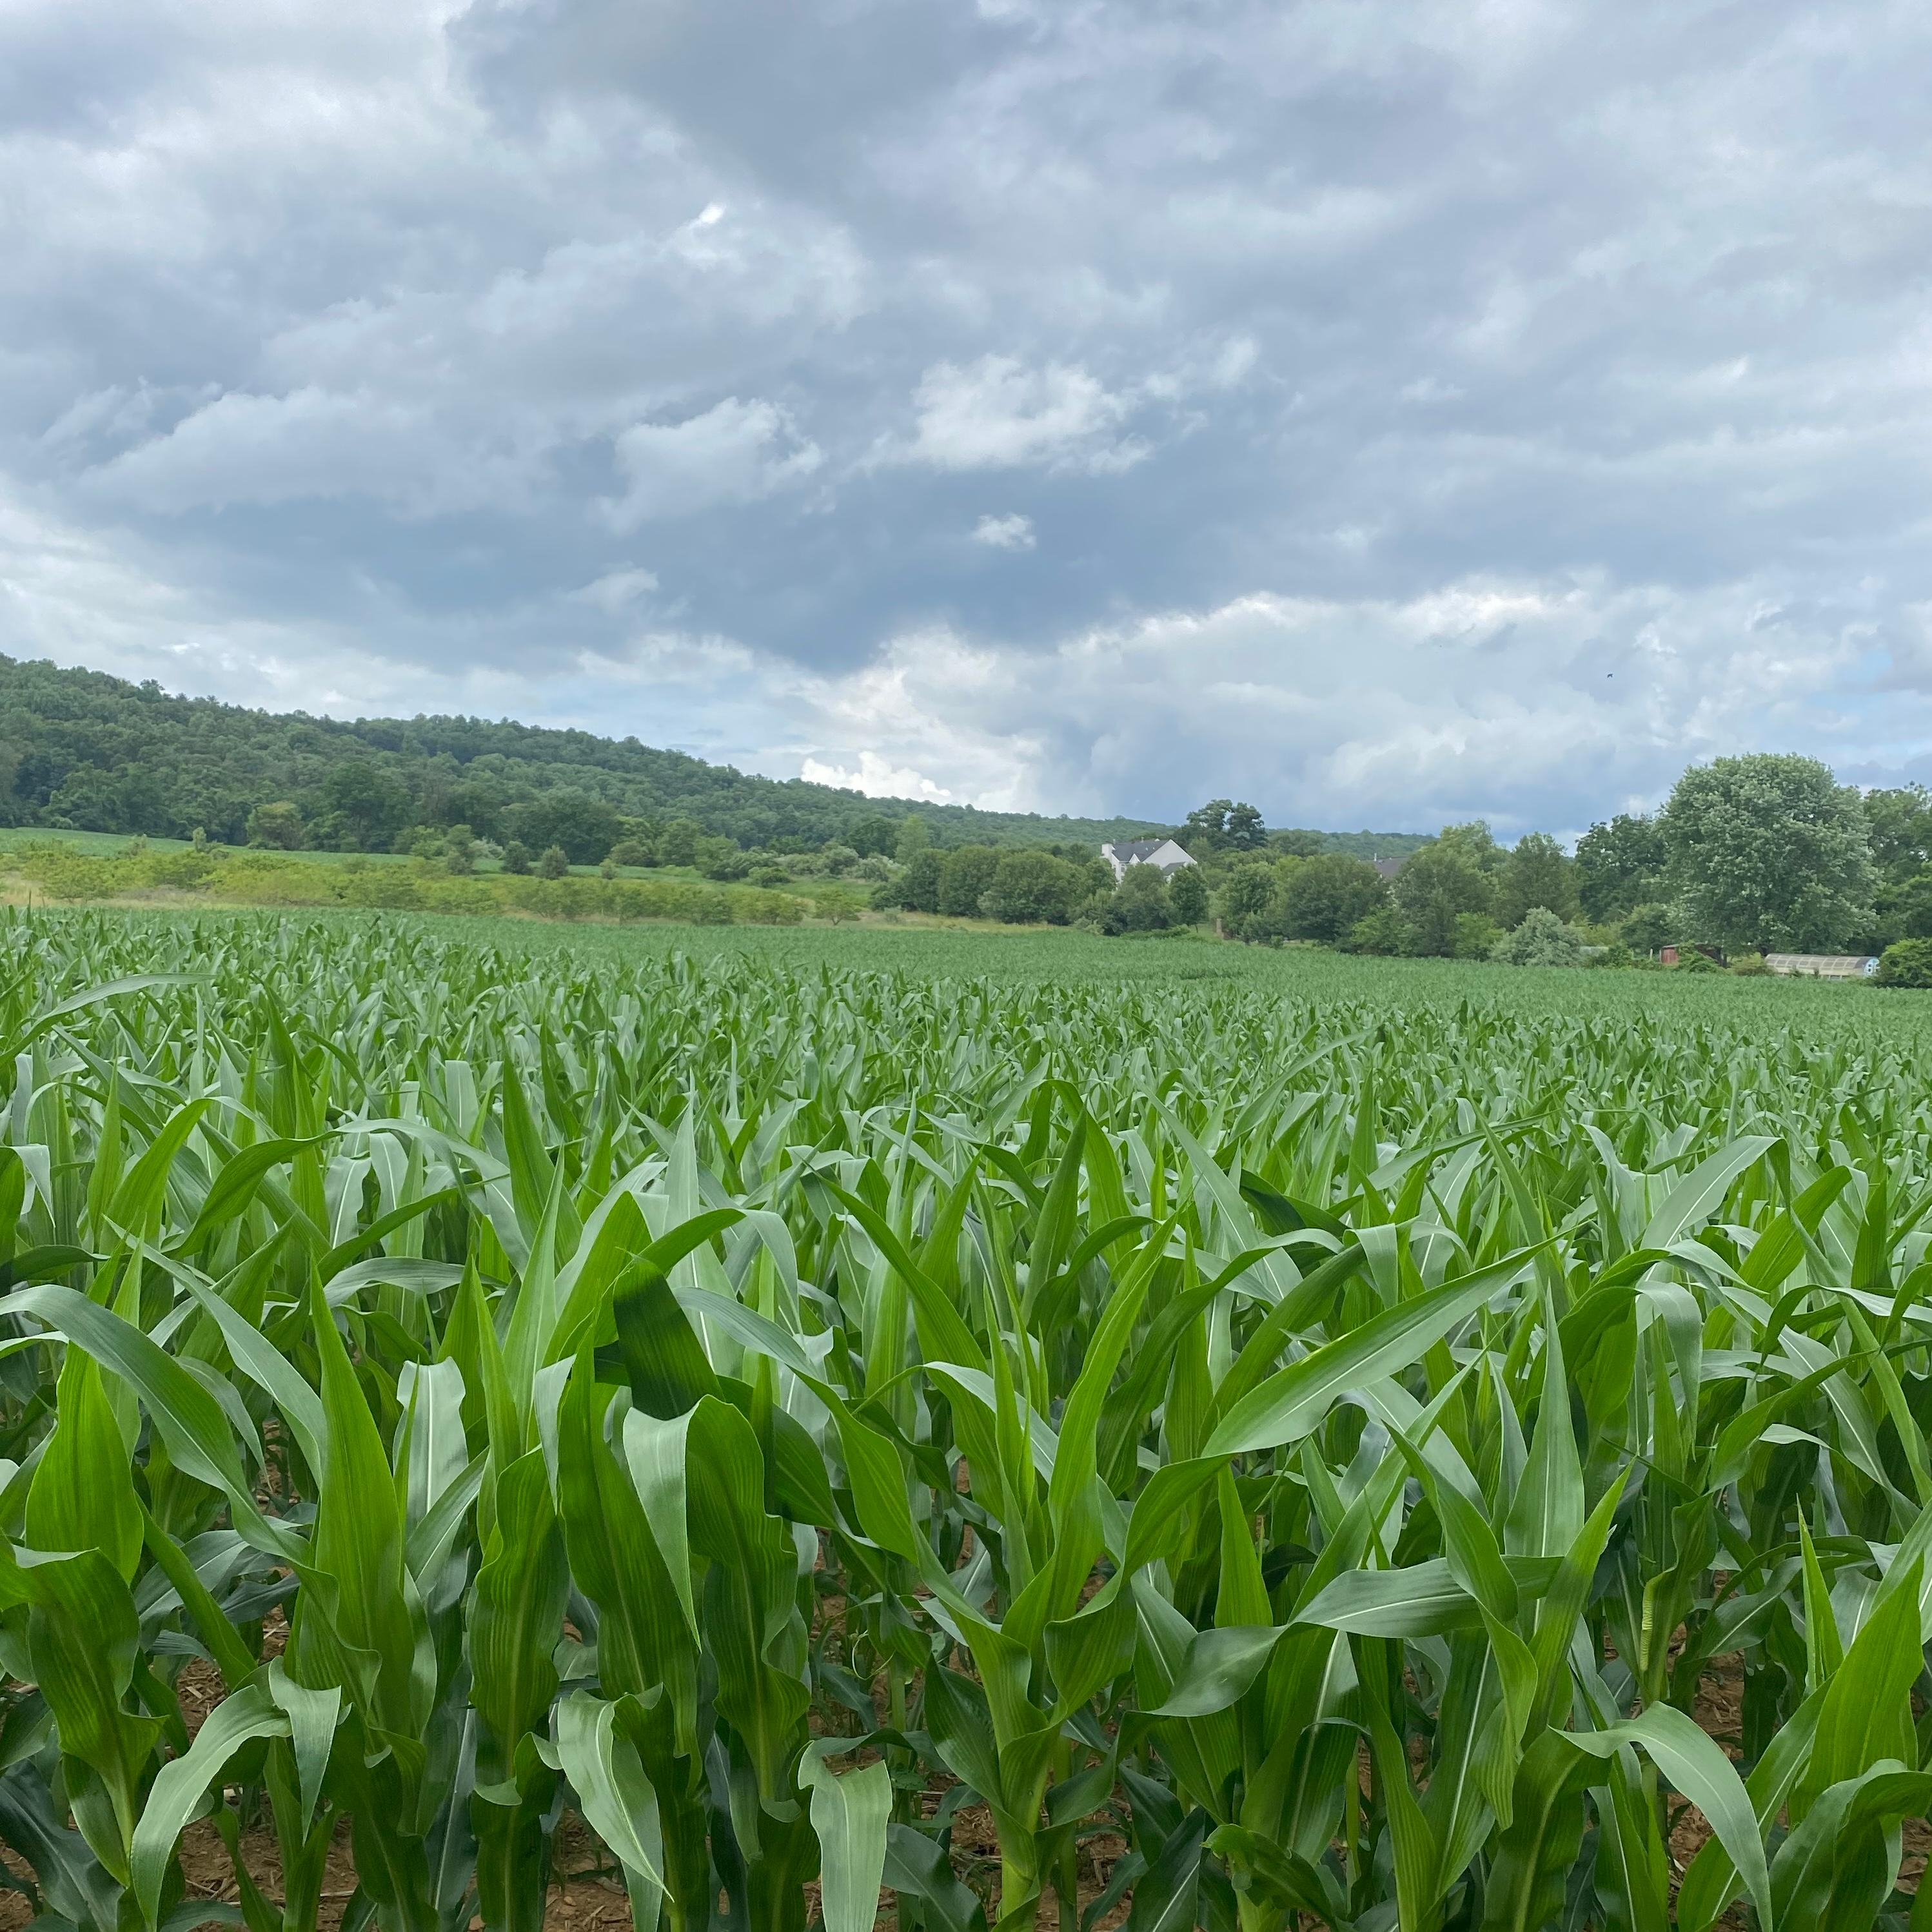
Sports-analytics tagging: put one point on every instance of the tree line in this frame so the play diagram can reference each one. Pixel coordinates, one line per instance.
(1765, 852)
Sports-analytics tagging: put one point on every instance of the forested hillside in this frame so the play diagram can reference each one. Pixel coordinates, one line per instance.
(78, 749)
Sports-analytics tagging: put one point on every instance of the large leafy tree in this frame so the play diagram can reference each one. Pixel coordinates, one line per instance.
(1222, 825)
(1251, 902)
(1475, 842)
(1140, 902)
(1030, 887)
(1187, 895)
(278, 826)
(364, 807)
(1435, 887)
(1245, 831)
(1539, 872)
(965, 876)
(1770, 850)
(1900, 820)
(1324, 898)
(1620, 865)
(1205, 828)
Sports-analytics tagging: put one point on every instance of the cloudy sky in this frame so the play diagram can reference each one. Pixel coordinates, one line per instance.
(1386, 412)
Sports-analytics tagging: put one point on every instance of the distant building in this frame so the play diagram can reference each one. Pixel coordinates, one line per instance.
(1822, 965)
(1388, 867)
(1162, 853)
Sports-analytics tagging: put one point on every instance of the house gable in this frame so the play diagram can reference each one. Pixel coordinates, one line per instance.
(1162, 853)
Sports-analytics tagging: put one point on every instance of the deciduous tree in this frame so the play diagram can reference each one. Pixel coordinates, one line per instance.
(1436, 886)
(1187, 895)
(1620, 865)
(1769, 850)
(1538, 873)
(1324, 898)
(278, 826)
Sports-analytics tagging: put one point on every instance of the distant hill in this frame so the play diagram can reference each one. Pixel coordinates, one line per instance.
(83, 751)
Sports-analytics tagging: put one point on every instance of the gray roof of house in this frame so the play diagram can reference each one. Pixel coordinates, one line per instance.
(1131, 851)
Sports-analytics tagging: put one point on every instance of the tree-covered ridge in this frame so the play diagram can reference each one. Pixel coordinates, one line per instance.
(79, 749)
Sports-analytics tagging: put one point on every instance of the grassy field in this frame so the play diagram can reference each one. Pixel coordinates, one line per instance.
(15, 840)
(35, 870)
(1008, 1429)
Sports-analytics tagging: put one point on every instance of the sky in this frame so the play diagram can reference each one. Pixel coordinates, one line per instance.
(1389, 413)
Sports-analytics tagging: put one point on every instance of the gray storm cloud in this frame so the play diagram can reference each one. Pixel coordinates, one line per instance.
(1385, 411)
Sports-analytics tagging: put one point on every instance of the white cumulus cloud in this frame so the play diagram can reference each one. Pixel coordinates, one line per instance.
(735, 452)
(998, 414)
(1011, 532)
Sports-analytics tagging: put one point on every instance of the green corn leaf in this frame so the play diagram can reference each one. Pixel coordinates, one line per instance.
(313, 1716)
(1545, 1515)
(849, 1813)
(1535, 1854)
(943, 1332)
(138, 1199)
(520, 1593)
(235, 1186)
(82, 1496)
(917, 1867)
(1711, 1882)
(232, 1657)
(414, 1277)
(248, 1713)
(620, 1803)
(1420, 1600)
(1699, 1194)
(958, 1716)
(263, 1364)
(656, 1450)
(1866, 1718)
(1165, 1899)
(82, 1639)
(359, 1543)
(1700, 1769)
(188, 1418)
(1295, 1399)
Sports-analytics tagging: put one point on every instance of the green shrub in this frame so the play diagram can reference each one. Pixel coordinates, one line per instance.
(1384, 931)
(1542, 939)
(1652, 927)
(278, 826)
(1476, 936)
(1140, 902)
(1908, 962)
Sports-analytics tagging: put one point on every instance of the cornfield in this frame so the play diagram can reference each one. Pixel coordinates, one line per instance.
(1275, 1464)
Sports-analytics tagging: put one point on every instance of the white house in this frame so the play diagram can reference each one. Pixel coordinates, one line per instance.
(1162, 853)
